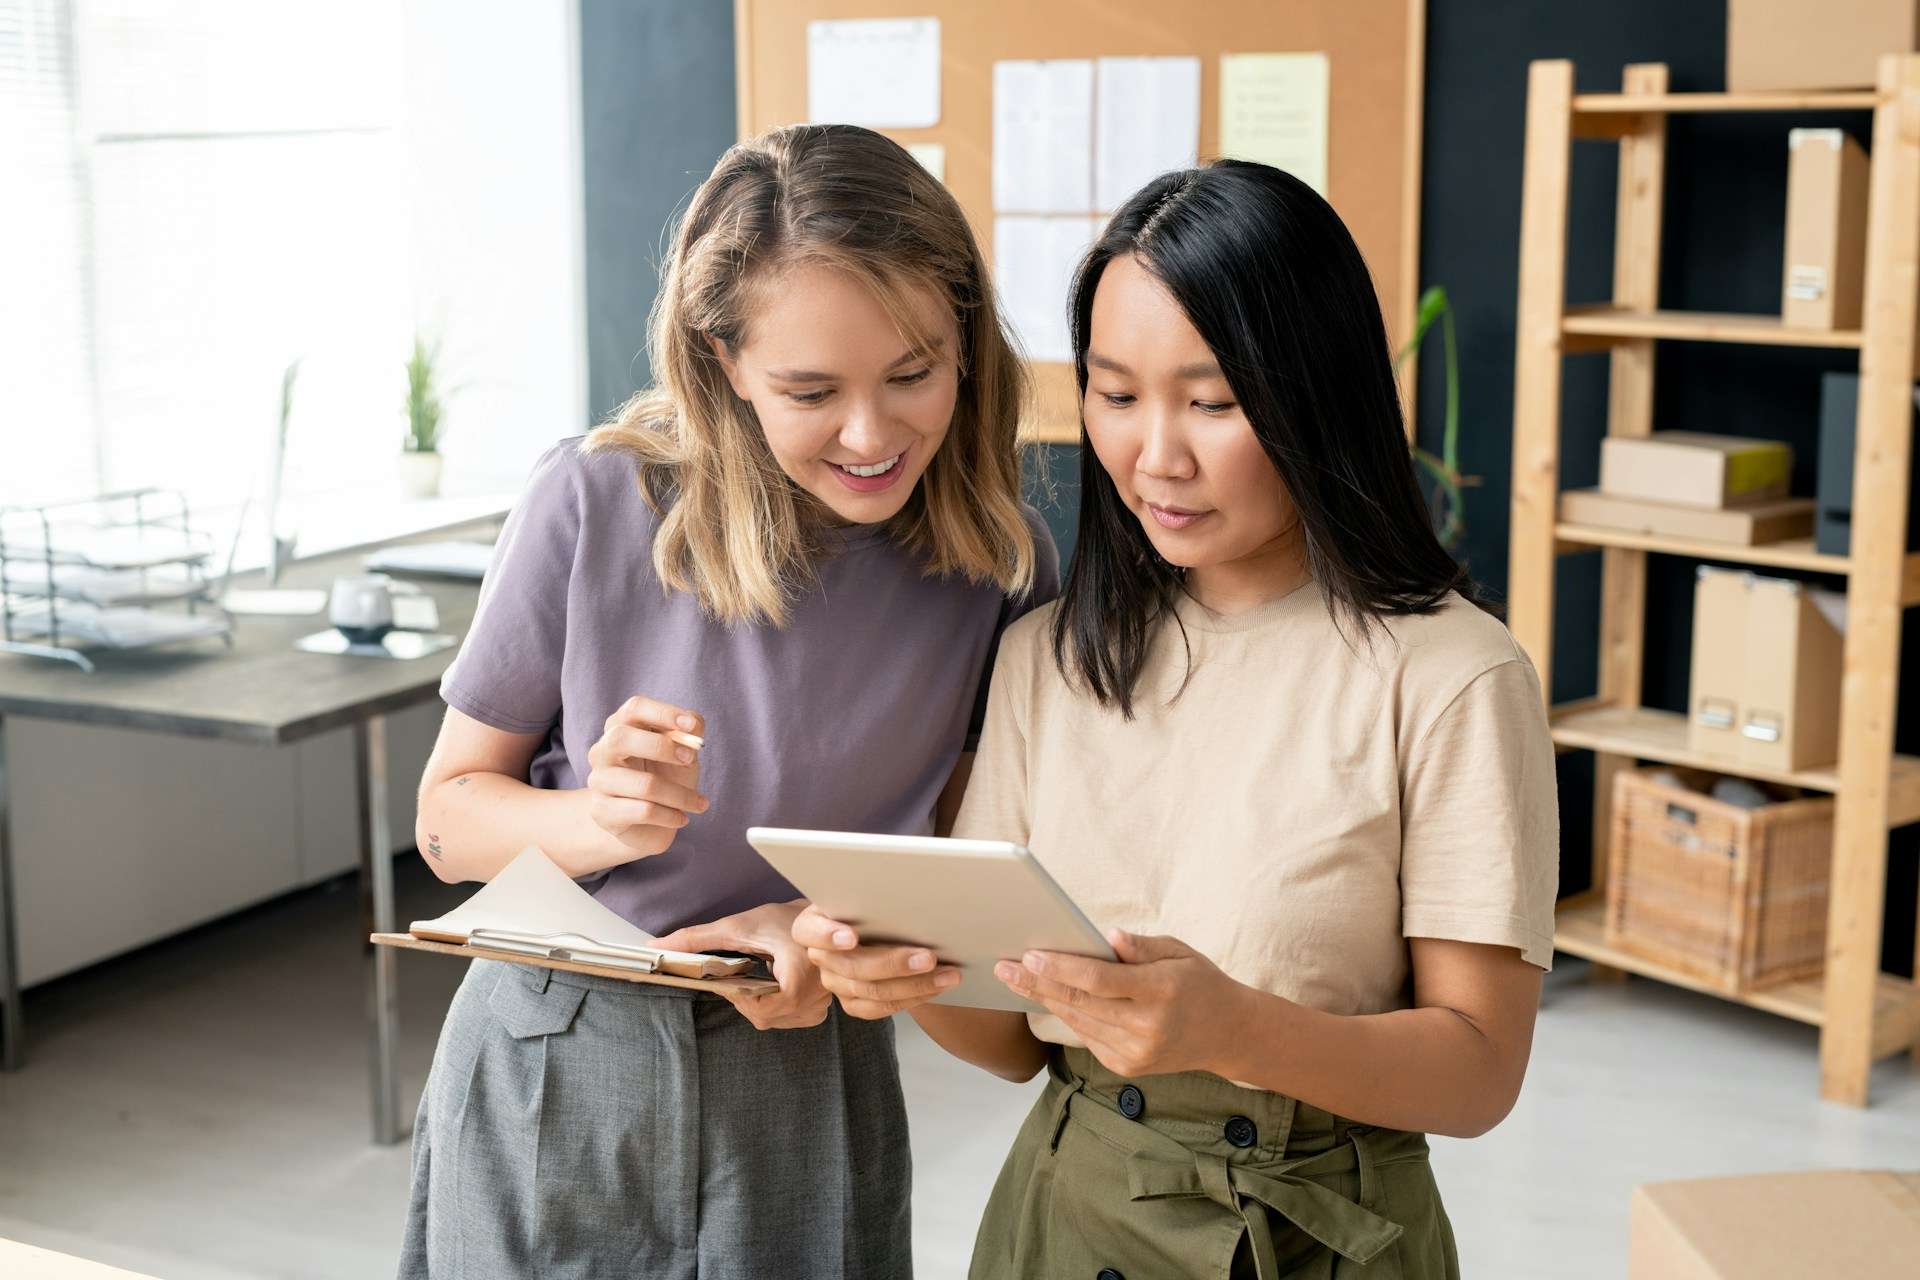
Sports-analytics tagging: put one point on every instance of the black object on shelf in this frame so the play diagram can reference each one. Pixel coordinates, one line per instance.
(1839, 412)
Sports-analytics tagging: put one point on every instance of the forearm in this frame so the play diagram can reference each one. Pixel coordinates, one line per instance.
(992, 1039)
(1430, 1070)
(473, 824)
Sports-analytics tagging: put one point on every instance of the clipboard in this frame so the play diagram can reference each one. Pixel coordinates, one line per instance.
(532, 913)
(735, 985)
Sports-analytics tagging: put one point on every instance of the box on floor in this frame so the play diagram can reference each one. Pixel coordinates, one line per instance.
(1861, 1224)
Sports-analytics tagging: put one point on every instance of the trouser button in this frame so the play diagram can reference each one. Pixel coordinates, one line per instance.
(1241, 1133)
(1132, 1102)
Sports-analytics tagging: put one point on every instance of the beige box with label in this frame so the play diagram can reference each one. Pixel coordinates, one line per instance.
(1765, 691)
(1825, 270)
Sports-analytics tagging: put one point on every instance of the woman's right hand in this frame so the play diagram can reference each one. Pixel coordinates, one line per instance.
(870, 981)
(642, 786)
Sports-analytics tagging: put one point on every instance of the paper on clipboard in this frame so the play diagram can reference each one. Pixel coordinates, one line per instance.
(534, 908)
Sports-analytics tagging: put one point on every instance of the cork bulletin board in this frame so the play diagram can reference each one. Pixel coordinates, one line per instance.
(1374, 48)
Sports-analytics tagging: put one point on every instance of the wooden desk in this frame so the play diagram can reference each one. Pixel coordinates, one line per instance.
(262, 691)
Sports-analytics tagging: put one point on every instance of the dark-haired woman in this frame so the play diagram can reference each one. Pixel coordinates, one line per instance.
(1266, 733)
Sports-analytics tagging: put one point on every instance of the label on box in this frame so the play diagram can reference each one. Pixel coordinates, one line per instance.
(1807, 284)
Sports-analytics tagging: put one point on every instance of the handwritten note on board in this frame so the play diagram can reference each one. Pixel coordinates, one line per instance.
(880, 72)
(1273, 109)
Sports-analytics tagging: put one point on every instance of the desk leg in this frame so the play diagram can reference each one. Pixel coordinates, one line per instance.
(376, 901)
(12, 1048)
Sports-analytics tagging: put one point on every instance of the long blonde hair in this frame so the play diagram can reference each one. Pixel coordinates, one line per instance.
(735, 530)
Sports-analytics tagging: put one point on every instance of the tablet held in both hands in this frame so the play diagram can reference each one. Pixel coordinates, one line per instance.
(971, 902)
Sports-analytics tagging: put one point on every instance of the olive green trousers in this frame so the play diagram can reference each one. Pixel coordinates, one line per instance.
(1188, 1175)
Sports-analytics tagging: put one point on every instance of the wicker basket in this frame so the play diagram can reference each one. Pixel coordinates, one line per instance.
(1734, 897)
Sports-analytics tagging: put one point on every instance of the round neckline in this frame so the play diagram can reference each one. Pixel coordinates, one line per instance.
(1196, 615)
(847, 537)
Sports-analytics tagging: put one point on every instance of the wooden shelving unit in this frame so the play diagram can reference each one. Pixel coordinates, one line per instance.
(1863, 1014)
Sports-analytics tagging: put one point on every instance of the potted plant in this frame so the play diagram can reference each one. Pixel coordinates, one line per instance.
(1441, 475)
(420, 452)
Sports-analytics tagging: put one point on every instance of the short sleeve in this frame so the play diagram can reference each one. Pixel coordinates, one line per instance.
(995, 805)
(1045, 590)
(507, 673)
(1480, 824)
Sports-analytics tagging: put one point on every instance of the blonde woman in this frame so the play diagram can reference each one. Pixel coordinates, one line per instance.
(802, 546)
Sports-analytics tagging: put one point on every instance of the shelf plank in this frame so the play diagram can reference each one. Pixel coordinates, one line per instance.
(1793, 553)
(1648, 734)
(1580, 930)
(1603, 320)
(1688, 103)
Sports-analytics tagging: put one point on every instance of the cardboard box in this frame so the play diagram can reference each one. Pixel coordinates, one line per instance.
(1765, 688)
(1748, 526)
(1790, 718)
(1815, 44)
(1864, 1225)
(1717, 684)
(1824, 280)
(1693, 469)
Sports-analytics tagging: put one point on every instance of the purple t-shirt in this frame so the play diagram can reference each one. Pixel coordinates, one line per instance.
(850, 718)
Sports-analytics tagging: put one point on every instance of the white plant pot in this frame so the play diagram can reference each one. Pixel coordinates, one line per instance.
(420, 474)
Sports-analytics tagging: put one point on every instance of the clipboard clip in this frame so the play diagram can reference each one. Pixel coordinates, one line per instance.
(566, 946)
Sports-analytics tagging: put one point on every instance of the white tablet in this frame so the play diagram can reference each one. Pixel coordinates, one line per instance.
(972, 902)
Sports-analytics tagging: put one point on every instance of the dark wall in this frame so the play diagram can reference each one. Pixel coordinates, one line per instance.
(658, 83)
(657, 109)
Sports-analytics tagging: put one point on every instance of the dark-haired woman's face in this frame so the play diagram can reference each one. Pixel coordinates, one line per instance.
(1165, 425)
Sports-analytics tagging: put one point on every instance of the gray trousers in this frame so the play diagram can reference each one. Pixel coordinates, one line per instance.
(580, 1128)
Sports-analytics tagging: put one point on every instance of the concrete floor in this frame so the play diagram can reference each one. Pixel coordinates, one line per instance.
(198, 1111)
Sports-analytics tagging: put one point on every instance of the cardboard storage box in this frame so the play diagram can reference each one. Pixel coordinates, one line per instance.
(1765, 689)
(1864, 1225)
(1749, 525)
(1824, 278)
(1693, 469)
(1815, 44)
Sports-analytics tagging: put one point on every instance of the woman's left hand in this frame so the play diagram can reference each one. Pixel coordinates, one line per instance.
(1163, 1008)
(765, 931)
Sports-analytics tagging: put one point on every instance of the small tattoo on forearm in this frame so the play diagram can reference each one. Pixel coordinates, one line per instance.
(433, 844)
(461, 782)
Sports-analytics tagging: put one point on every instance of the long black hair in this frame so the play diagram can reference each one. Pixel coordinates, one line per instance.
(1271, 279)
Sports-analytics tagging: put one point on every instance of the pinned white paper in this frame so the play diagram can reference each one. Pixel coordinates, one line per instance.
(1043, 136)
(879, 72)
(932, 157)
(1033, 264)
(1149, 122)
(1273, 109)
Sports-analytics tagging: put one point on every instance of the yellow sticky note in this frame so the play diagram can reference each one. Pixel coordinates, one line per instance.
(1273, 109)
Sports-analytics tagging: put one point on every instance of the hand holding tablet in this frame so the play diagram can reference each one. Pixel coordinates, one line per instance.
(967, 903)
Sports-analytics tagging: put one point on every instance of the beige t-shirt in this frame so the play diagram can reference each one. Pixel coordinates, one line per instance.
(1302, 808)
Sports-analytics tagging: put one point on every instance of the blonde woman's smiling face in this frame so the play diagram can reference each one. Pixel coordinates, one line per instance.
(851, 412)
